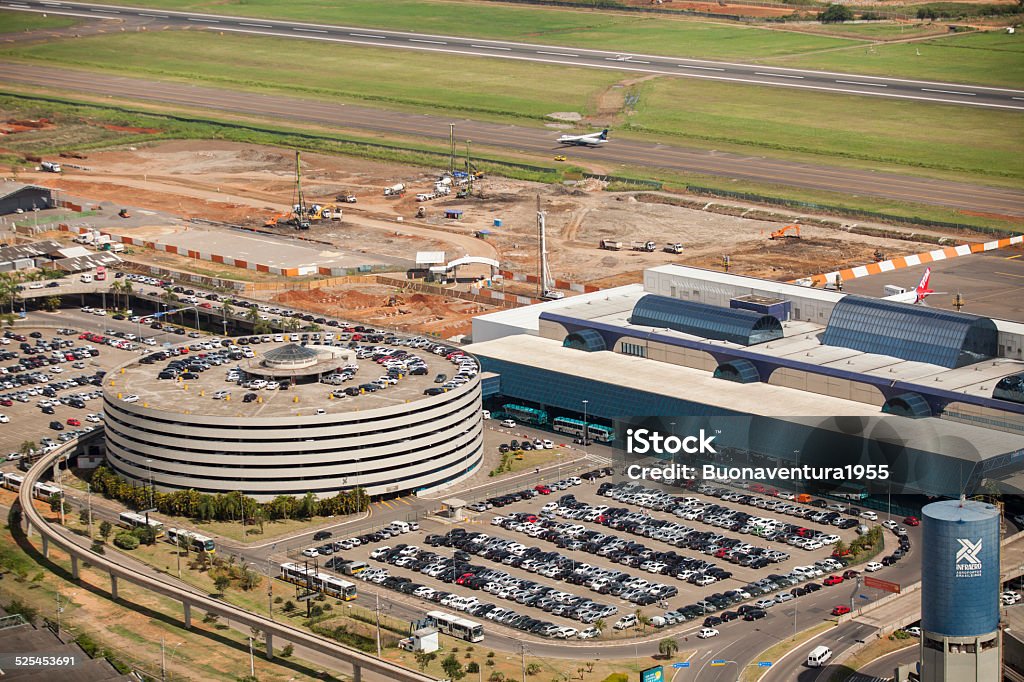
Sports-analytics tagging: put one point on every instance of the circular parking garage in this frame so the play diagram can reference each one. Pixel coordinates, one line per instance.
(392, 431)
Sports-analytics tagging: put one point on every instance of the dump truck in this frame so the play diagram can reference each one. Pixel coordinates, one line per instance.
(611, 245)
(674, 248)
(50, 167)
(649, 247)
(394, 190)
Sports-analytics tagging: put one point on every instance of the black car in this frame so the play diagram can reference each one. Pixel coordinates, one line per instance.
(55, 284)
(56, 426)
(48, 410)
(249, 397)
(322, 535)
(440, 378)
(755, 614)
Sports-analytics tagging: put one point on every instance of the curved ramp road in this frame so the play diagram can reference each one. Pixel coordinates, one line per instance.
(967, 95)
(76, 546)
(956, 195)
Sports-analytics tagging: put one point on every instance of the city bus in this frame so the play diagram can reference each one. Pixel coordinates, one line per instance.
(13, 481)
(133, 520)
(574, 427)
(196, 542)
(44, 491)
(602, 434)
(318, 582)
(456, 626)
(101, 273)
(526, 415)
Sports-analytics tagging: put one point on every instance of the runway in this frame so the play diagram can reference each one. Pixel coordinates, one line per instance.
(797, 79)
(520, 138)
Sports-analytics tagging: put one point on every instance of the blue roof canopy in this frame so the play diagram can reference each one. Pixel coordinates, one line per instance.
(744, 327)
(910, 332)
(585, 339)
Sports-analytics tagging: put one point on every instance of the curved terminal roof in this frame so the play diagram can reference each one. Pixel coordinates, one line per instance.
(1010, 388)
(911, 332)
(291, 355)
(585, 339)
(743, 327)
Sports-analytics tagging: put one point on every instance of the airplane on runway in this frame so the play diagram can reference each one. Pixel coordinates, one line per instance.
(585, 140)
(914, 296)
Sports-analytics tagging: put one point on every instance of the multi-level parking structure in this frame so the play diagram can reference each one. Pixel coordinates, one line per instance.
(173, 435)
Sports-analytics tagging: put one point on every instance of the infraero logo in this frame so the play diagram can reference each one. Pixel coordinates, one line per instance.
(968, 563)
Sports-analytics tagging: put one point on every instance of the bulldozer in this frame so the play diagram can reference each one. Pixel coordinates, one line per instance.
(325, 212)
(394, 300)
(781, 233)
(124, 213)
(421, 212)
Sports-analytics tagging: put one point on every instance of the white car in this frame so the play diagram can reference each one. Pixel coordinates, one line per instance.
(508, 423)
(221, 395)
(707, 633)
(588, 633)
(4, 419)
(1010, 598)
(869, 515)
(913, 631)
(873, 566)
(890, 524)
(310, 552)
(130, 398)
(548, 445)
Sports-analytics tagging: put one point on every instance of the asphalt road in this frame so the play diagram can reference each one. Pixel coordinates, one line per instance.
(801, 79)
(990, 283)
(519, 138)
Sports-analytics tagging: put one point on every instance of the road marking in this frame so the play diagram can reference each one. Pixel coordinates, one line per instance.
(110, 11)
(490, 47)
(157, 16)
(949, 92)
(873, 85)
(367, 35)
(242, 23)
(617, 59)
(435, 42)
(776, 75)
(1019, 98)
(310, 30)
(702, 68)
(558, 54)
(1008, 274)
(205, 21)
(1012, 257)
(637, 61)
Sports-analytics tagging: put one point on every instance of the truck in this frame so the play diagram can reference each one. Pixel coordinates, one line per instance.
(611, 245)
(87, 237)
(50, 167)
(673, 248)
(396, 190)
(117, 248)
(100, 239)
(649, 247)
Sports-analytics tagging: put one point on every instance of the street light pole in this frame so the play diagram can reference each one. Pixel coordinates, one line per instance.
(586, 428)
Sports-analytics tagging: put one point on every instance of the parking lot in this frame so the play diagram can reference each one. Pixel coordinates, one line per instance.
(584, 557)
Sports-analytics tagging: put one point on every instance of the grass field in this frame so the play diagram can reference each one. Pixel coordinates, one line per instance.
(647, 33)
(15, 22)
(877, 31)
(992, 58)
(974, 141)
(336, 72)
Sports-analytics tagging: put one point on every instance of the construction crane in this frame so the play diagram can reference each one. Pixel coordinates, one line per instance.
(782, 232)
(299, 216)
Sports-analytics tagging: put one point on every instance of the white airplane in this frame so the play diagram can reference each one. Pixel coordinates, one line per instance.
(585, 140)
(915, 296)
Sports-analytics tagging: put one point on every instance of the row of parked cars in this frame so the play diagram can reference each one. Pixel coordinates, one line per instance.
(494, 581)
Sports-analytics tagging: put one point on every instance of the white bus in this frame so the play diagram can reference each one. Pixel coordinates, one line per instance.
(319, 582)
(196, 542)
(133, 520)
(44, 491)
(13, 481)
(456, 626)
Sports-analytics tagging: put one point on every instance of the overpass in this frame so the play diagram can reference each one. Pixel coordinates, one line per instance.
(168, 587)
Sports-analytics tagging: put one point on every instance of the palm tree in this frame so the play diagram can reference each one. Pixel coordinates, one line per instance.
(253, 315)
(52, 303)
(599, 624)
(8, 289)
(668, 647)
(115, 289)
(27, 446)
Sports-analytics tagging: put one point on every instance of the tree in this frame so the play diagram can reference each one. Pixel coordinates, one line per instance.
(289, 606)
(253, 315)
(250, 580)
(931, 13)
(105, 529)
(221, 582)
(126, 540)
(452, 667)
(27, 447)
(287, 651)
(423, 658)
(835, 14)
(533, 669)
(668, 647)
(57, 503)
(52, 303)
(599, 624)
(472, 667)
(496, 676)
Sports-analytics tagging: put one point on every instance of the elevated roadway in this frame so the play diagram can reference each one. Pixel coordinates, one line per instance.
(123, 568)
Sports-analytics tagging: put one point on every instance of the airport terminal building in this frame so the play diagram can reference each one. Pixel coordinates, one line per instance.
(936, 393)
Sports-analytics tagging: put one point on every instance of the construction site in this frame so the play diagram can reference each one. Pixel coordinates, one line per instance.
(329, 233)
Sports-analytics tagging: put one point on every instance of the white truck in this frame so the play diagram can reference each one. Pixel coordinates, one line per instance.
(611, 245)
(396, 190)
(88, 237)
(117, 248)
(50, 166)
(674, 248)
(649, 247)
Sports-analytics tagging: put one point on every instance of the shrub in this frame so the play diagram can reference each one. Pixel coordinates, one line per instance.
(835, 14)
(126, 541)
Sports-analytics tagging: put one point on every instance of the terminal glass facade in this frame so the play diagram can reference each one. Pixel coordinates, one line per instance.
(743, 327)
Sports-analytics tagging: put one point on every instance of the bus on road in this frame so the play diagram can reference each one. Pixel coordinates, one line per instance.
(196, 542)
(456, 626)
(133, 520)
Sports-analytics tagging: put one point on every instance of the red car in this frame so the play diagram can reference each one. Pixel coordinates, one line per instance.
(912, 521)
(833, 580)
(74, 422)
(840, 610)
(542, 489)
(6, 402)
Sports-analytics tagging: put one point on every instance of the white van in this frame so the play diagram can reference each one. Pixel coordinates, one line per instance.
(400, 526)
(818, 656)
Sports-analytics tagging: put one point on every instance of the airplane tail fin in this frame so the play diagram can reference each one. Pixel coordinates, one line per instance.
(923, 286)
(604, 134)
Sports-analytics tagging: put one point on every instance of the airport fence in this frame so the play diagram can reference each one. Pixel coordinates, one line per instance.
(647, 184)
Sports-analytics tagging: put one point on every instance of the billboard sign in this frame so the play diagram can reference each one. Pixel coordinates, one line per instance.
(655, 674)
(883, 585)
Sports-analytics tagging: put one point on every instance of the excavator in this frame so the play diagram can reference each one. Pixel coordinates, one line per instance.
(782, 232)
